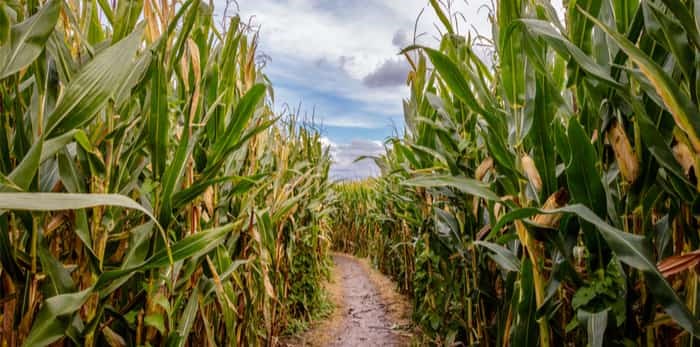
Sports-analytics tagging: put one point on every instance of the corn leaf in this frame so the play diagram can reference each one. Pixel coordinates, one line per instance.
(28, 39)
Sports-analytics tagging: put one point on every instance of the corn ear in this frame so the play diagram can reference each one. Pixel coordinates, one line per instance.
(684, 157)
(483, 168)
(626, 158)
(531, 172)
(555, 201)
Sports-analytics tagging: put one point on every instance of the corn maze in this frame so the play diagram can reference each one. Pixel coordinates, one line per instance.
(545, 195)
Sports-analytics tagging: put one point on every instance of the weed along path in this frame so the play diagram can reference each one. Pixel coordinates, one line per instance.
(368, 310)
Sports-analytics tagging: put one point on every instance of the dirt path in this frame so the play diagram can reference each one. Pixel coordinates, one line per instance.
(368, 311)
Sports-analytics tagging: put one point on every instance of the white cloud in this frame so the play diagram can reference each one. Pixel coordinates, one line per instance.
(391, 73)
(357, 122)
(344, 156)
(400, 38)
(364, 29)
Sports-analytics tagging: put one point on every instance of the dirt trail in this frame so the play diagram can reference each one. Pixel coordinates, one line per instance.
(368, 311)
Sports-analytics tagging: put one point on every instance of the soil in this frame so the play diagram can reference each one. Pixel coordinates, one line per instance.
(368, 312)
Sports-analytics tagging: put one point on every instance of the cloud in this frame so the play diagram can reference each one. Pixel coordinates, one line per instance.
(344, 155)
(392, 72)
(400, 39)
(339, 58)
(356, 122)
(338, 99)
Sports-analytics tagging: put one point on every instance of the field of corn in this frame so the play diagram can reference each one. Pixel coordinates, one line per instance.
(149, 194)
(548, 194)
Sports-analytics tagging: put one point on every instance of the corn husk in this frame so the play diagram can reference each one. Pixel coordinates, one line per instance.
(483, 168)
(531, 172)
(626, 158)
(497, 210)
(684, 157)
(208, 199)
(555, 201)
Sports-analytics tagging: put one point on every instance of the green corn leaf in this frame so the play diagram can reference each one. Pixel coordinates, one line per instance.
(242, 184)
(71, 181)
(567, 49)
(173, 175)
(156, 321)
(580, 28)
(511, 49)
(685, 18)
(72, 201)
(51, 321)
(525, 307)
(466, 185)
(504, 257)
(595, 326)
(239, 120)
(66, 201)
(59, 277)
(97, 82)
(52, 146)
(453, 77)
(107, 9)
(95, 32)
(128, 13)
(624, 11)
(684, 112)
(158, 119)
(585, 183)
(543, 151)
(441, 16)
(658, 147)
(59, 51)
(23, 175)
(191, 247)
(188, 317)
(673, 37)
(139, 239)
(4, 24)
(27, 39)
(214, 167)
(632, 250)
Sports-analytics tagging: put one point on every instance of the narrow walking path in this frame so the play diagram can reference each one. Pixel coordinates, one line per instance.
(368, 310)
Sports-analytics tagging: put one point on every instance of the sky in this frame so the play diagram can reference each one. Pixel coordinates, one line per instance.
(339, 60)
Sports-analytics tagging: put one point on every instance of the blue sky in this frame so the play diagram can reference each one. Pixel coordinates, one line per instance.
(339, 60)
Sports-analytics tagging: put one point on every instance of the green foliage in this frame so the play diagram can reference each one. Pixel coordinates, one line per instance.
(605, 290)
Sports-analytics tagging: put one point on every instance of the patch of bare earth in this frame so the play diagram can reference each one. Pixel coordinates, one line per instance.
(368, 311)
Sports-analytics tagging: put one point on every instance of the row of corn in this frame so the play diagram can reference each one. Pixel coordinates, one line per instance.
(148, 194)
(547, 193)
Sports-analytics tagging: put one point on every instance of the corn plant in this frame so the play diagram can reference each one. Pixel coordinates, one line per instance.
(550, 196)
(148, 195)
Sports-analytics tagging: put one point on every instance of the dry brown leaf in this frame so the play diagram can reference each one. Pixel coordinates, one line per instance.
(678, 263)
